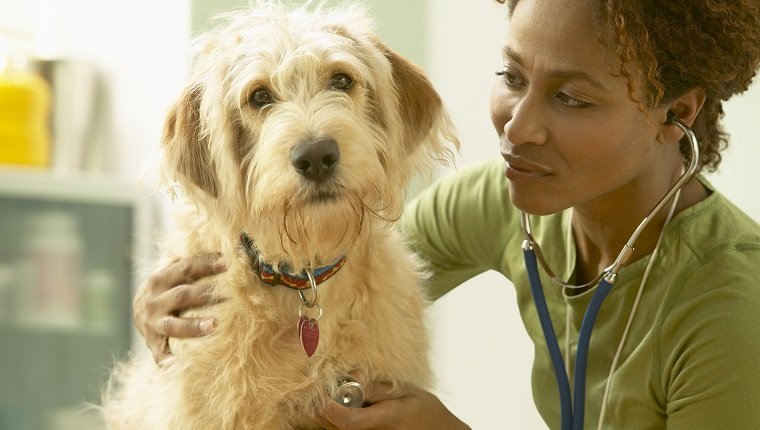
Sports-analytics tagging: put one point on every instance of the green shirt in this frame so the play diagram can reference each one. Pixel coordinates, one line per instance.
(692, 356)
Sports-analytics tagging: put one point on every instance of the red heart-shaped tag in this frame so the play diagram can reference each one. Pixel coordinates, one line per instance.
(308, 333)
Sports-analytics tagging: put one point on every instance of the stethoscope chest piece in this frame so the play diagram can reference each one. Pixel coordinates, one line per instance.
(350, 394)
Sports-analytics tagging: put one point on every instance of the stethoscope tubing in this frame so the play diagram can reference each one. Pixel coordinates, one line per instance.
(572, 413)
(581, 359)
(544, 317)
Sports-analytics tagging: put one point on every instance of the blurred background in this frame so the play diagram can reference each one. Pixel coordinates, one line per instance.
(84, 87)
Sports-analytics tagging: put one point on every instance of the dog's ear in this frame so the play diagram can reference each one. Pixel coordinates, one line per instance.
(420, 106)
(186, 146)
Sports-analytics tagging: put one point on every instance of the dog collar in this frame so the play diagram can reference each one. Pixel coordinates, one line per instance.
(270, 276)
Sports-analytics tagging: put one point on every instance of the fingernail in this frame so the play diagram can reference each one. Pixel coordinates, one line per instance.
(220, 266)
(207, 326)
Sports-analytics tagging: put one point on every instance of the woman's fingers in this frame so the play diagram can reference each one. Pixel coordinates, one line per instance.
(379, 391)
(182, 328)
(169, 291)
(382, 413)
(159, 347)
(343, 418)
(176, 327)
(185, 271)
(162, 328)
(182, 297)
(399, 406)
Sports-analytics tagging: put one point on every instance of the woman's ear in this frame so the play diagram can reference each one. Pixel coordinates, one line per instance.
(685, 108)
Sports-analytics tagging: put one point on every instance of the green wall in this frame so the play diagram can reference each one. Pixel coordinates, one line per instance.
(401, 24)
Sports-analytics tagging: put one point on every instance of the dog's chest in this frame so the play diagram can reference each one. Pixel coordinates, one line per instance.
(369, 327)
(300, 325)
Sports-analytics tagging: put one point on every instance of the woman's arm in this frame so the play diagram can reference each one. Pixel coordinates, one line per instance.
(460, 225)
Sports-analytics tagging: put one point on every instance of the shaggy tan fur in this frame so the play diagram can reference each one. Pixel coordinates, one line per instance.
(229, 160)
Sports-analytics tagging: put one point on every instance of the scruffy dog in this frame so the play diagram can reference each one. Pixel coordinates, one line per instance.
(292, 147)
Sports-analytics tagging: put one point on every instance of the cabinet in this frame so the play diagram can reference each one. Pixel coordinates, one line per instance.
(72, 249)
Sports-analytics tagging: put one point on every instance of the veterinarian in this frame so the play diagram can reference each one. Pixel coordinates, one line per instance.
(593, 109)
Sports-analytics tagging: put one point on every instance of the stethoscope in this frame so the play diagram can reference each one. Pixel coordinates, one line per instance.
(572, 413)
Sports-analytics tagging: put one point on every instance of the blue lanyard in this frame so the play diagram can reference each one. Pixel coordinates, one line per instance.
(572, 414)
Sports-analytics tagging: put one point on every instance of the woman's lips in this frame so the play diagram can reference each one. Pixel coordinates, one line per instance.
(517, 169)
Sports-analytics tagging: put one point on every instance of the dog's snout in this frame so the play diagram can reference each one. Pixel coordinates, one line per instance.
(315, 159)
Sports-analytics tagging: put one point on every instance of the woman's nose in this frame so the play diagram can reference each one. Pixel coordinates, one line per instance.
(527, 122)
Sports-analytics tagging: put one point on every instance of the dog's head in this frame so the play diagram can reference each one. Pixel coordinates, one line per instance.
(301, 128)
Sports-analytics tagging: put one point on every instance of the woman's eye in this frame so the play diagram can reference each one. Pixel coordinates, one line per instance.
(341, 82)
(511, 79)
(572, 101)
(260, 98)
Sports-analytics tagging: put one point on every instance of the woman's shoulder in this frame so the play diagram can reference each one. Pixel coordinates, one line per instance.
(717, 260)
(468, 209)
(716, 228)
(479, 189)
(485, 175)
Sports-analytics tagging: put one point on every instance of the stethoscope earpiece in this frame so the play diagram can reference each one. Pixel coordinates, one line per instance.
(671, 117)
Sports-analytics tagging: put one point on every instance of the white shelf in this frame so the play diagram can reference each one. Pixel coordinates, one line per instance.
(67, 187)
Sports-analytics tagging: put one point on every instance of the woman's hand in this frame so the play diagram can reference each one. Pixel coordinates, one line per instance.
(169, 291)
(397, 408)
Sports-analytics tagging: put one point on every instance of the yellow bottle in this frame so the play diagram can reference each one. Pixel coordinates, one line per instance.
(24, 113)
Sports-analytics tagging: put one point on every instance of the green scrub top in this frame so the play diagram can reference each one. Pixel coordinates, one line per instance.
(692, 356)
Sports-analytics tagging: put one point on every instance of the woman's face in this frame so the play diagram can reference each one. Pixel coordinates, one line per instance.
(569, 133)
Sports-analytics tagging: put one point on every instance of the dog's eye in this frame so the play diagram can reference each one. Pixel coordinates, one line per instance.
(341, 82)
(260, 98)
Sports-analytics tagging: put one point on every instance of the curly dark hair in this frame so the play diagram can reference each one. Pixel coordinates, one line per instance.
(713, 45)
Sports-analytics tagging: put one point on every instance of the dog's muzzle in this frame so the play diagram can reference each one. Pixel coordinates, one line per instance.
(315, 159)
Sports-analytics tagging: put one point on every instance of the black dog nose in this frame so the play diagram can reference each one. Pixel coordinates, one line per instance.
(316, 159)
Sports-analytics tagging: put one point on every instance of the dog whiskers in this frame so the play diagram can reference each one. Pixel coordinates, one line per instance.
(359, 215)
(285, 213)
(302, 221)
(378, 215)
